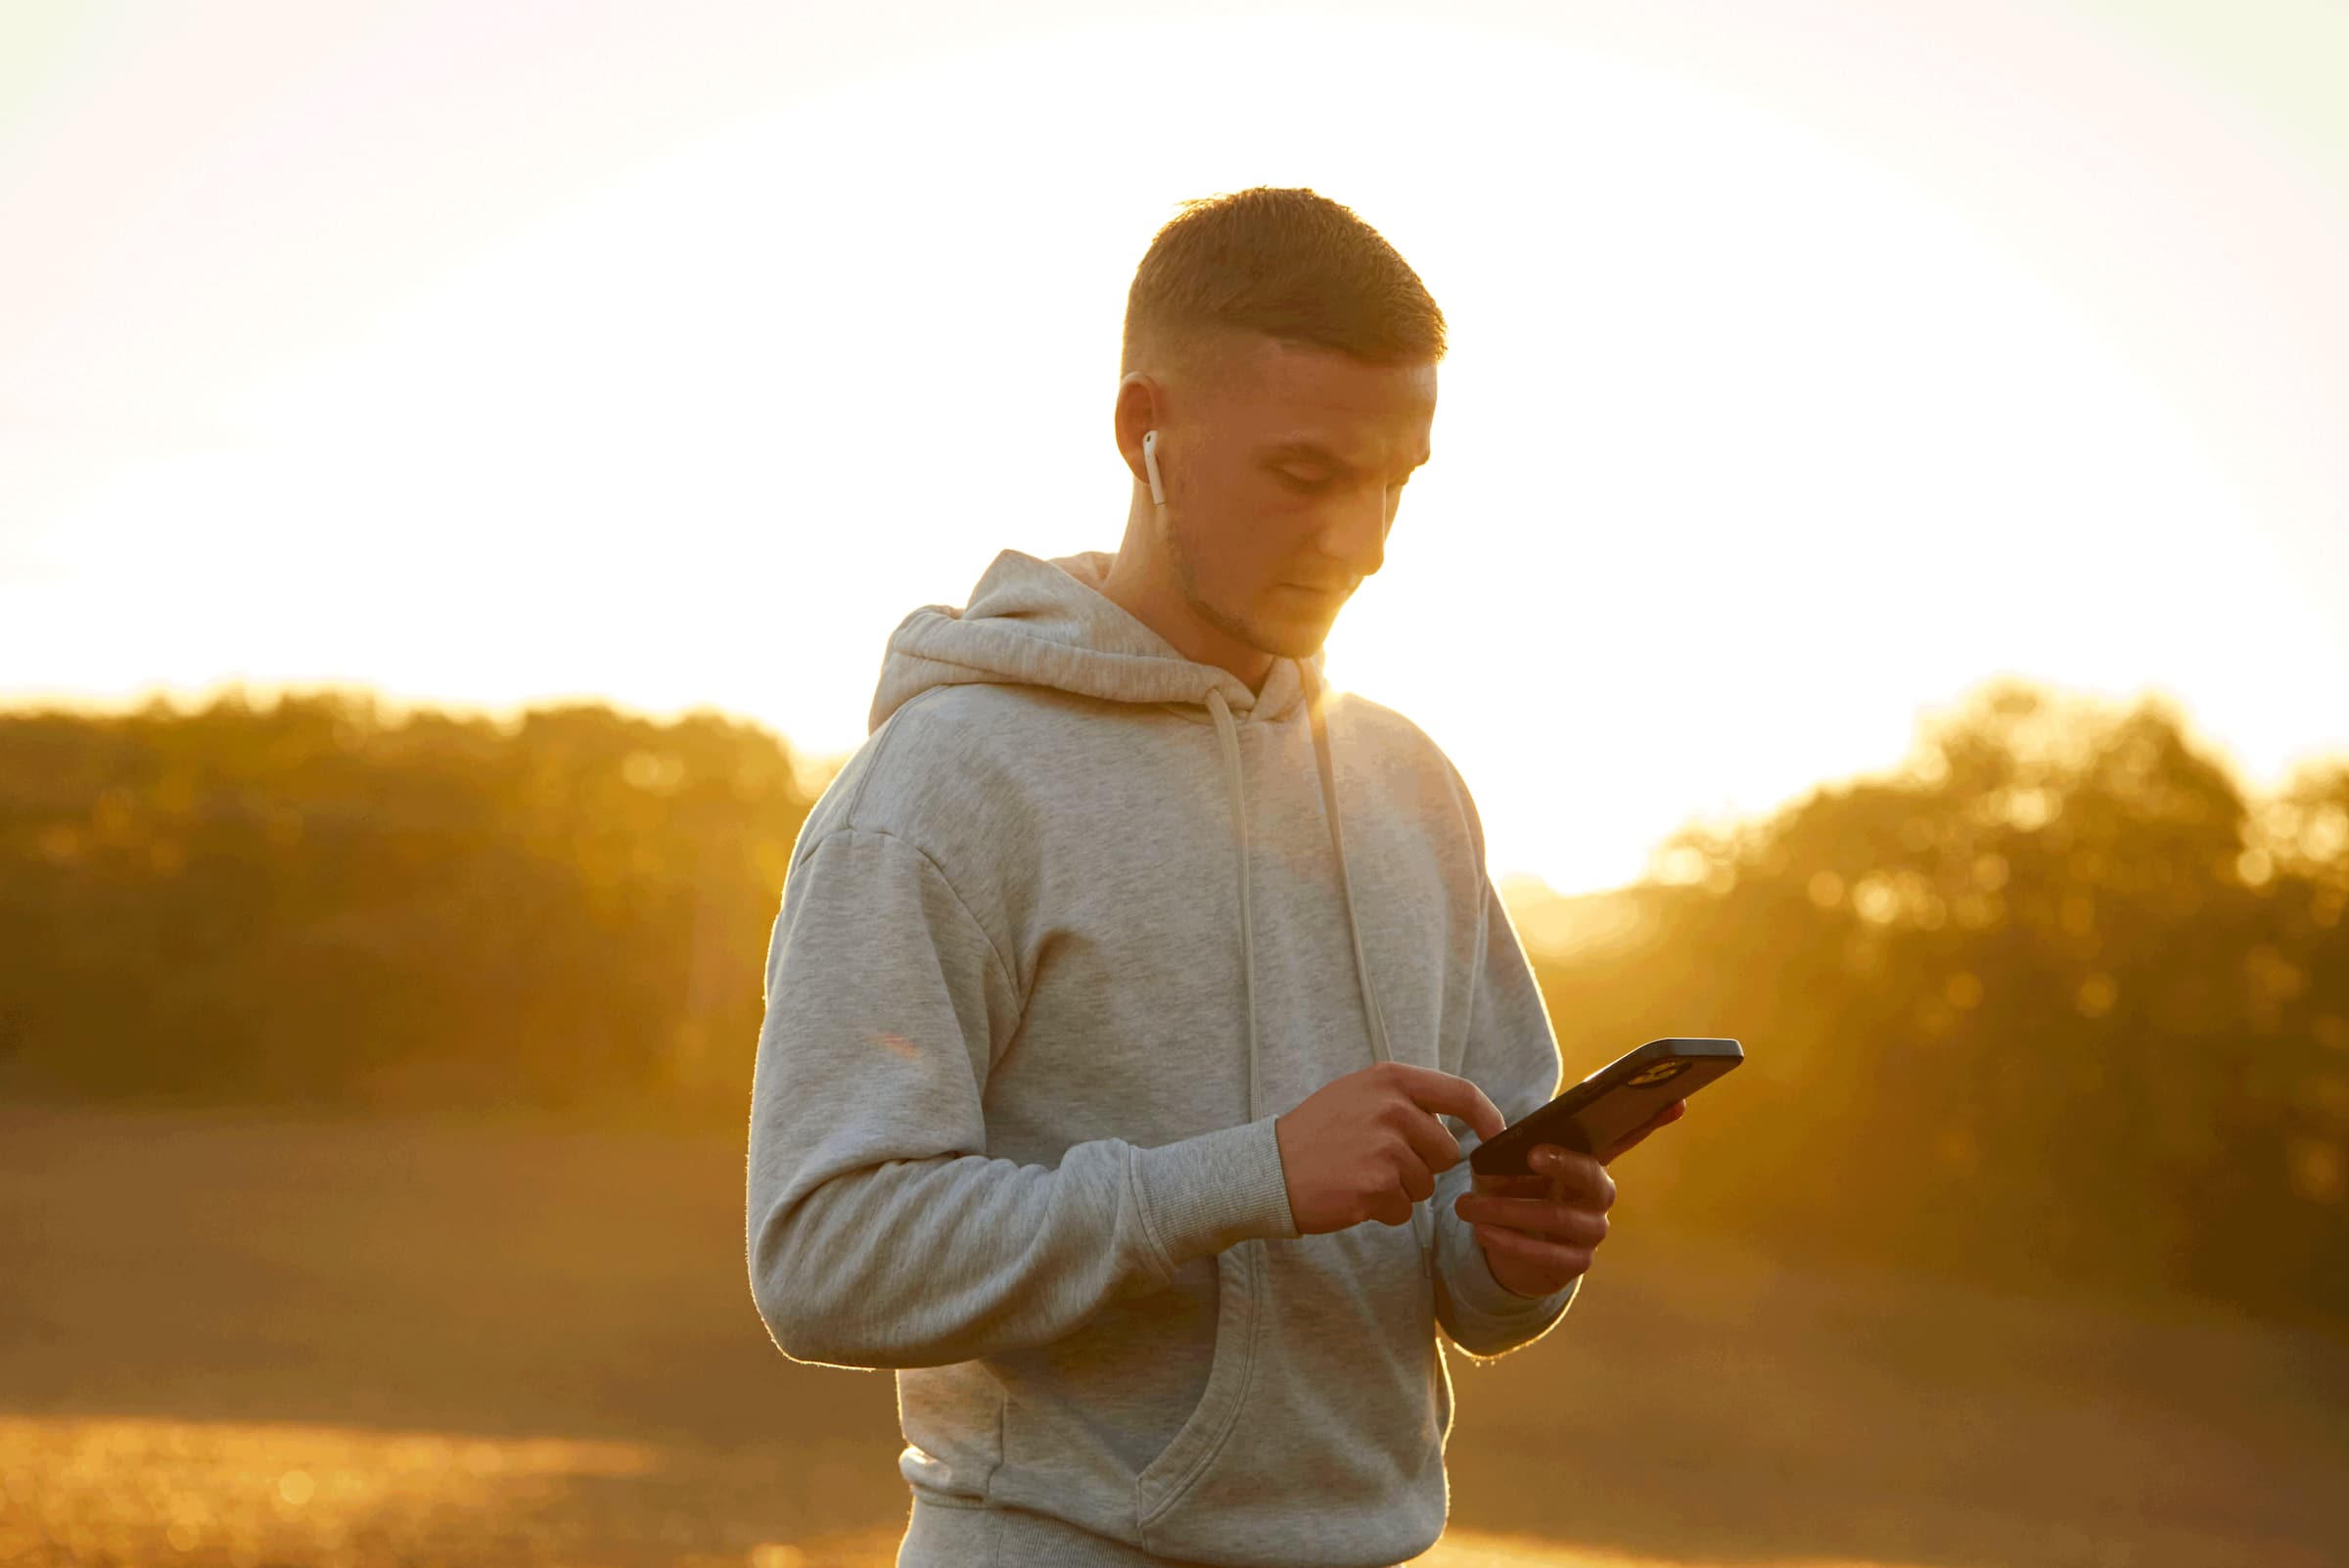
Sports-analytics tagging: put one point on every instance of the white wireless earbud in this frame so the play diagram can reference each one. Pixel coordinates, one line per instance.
(1158, 492)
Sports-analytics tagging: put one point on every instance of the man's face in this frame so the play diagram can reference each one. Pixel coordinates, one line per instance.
(1286, 477)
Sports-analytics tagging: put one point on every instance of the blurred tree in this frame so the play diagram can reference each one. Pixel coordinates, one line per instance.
(312, 902)
(2051, 1001)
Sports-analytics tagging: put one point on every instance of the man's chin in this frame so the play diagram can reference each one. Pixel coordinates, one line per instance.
(1285, 638)
(1275, 628)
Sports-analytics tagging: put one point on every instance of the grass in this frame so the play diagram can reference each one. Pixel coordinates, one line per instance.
(258, 1338)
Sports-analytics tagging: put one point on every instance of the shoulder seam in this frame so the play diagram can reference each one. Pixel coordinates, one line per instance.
(994, 949)
(848, 812)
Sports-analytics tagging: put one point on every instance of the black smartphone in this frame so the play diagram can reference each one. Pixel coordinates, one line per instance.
(1620, 1097)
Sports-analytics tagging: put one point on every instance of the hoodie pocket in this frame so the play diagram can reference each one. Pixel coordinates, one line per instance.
(1147, 1387)
(1320, 1440)
(1165, 1480)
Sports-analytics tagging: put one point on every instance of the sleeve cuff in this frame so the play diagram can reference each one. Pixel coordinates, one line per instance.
(1486, 1308)
(1204, 1193)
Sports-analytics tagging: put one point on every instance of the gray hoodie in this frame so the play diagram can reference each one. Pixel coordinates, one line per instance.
(1071, 927)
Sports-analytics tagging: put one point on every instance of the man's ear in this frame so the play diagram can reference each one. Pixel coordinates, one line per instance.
(1137, 412)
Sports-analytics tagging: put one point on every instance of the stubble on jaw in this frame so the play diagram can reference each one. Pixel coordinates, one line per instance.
(1185, 562)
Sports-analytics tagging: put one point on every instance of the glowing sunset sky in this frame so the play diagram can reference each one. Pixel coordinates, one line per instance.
(1810, 362)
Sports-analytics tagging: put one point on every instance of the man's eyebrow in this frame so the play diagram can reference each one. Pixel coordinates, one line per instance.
(1317, 452)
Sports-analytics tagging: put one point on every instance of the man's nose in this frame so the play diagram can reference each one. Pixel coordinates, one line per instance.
(1357, 536)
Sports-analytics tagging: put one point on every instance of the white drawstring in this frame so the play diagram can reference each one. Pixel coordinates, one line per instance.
(1422, 1220)
(1239, 839)
(1423, 1224)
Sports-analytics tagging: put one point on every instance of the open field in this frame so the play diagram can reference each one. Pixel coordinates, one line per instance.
(254, 1338)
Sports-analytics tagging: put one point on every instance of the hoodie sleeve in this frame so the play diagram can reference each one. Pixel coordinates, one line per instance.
(880, 1232)
(1512, 1055)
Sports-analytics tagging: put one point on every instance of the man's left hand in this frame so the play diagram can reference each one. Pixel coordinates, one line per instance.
(1540, 1231)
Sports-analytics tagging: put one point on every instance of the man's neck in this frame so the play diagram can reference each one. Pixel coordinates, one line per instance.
(1157, 603)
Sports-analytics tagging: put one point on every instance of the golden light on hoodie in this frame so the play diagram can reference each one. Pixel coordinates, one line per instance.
(1791, 389)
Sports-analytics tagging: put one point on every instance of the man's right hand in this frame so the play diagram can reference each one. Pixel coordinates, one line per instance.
(1367, 1147)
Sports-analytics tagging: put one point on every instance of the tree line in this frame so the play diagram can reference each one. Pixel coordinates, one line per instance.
(317, 900)
(2054, 1001)
(2053, 1004)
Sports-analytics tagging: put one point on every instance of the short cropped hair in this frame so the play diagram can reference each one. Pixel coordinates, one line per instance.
(1285, 263)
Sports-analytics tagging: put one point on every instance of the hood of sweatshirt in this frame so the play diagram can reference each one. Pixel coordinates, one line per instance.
(1036, 622)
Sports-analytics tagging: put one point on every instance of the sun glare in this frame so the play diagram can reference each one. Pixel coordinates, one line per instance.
(1746, 448)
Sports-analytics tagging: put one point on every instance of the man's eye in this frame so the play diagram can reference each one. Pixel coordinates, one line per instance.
(1314, 483)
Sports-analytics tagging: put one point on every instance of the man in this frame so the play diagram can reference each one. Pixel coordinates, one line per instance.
(1122, 986)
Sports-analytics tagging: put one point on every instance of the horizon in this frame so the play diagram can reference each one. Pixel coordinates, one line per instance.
(1526, 888)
